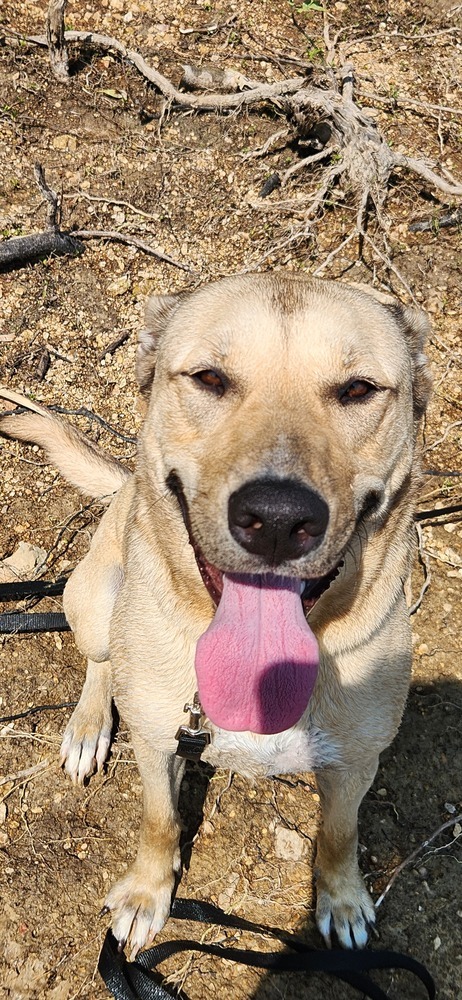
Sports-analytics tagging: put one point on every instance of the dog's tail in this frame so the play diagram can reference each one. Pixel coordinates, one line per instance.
(77, 458)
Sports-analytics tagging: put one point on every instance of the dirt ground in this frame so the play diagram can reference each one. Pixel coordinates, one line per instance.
(102, 144)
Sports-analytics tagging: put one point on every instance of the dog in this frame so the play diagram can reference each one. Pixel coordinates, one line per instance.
(257, 556)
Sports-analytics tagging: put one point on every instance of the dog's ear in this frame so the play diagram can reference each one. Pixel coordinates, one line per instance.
(416, 328)
(159, 311)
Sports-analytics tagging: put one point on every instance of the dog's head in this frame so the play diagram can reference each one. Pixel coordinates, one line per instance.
(283, 415)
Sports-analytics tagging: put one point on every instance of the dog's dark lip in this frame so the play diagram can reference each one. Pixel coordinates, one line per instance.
(212, 577)
(316, 587)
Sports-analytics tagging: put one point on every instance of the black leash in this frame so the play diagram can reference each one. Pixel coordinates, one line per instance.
(20, 623)
(137, 980)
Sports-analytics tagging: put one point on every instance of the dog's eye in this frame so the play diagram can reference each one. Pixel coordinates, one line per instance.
(210, 380)
(358, 389)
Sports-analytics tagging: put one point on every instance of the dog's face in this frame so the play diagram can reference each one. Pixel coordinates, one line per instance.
(282, 416)
(284, 411)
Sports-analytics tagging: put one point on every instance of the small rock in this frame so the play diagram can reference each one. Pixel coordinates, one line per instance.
(288, 844)
(65, 142)
(24, 560)
(120, 285)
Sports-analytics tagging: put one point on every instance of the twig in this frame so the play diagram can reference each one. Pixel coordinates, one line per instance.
(426, 515)
(307, 161)
(54, 208)
(402, 101)
(55, 40)
(83, 411)
(451, 427)
(216, 805)
(386, 260)
(210, 29)
(111, 201)
(425, 170)
(411, 857)
(282, 133)
(133, 241)
(53, 242)
(425, 562)
(28, 773)
(22, 249)
(334, 253)
(113, 347)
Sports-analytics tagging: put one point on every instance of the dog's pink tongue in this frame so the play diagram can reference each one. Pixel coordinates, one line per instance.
(257, 662)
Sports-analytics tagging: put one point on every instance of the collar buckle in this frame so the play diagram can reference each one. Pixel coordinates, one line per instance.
(193, 738)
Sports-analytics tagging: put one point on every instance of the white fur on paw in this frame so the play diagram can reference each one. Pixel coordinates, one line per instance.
(139, 910)
(350, 915)
(85, 745)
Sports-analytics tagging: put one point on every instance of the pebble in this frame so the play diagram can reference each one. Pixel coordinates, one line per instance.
(288, 844)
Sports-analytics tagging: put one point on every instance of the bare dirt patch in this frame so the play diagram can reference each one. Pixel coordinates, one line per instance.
(105, 141)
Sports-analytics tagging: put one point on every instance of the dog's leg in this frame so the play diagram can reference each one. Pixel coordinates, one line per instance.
(140, 901)
(88, 733)
(343, 902)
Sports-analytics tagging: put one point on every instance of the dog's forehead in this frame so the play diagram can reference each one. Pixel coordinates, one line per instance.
(325, 323)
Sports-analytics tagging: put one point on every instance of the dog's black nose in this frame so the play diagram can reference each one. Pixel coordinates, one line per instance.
(278, 519)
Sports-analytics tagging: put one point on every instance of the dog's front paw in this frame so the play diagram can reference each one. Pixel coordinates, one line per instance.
(349, 912)
(139, 907)
(86, 743)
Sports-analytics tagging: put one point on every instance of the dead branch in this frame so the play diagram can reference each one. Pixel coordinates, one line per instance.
(307, 161)
(282, 133)
(197, 102)
(133, 241)
(411, 857)
(55, 40)
(437, 223)
(52, 243)
(350, 139)
(451, 427)
(23, 249)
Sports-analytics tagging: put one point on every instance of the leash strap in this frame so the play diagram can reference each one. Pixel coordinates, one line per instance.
(140, 980)
(23, 622)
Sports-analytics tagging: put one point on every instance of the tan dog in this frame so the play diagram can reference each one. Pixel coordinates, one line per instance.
(276, 478)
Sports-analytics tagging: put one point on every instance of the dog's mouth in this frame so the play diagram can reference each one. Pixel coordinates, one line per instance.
(257, 662)
(212, 578)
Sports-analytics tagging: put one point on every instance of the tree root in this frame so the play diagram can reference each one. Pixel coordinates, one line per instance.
(321, 116)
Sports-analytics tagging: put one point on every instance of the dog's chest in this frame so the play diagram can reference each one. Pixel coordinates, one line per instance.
(297, 749)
